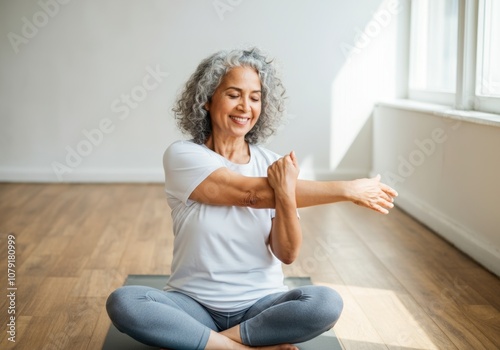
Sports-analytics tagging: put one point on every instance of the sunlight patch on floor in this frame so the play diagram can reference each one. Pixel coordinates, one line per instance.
(379, 316)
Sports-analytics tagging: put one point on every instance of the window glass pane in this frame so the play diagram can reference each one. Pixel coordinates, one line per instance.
(489, 49)
(433, 60)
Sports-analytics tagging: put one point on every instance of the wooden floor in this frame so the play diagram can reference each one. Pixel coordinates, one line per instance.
(403, 286)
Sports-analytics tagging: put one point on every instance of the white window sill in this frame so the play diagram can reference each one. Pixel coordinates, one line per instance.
(445, 111)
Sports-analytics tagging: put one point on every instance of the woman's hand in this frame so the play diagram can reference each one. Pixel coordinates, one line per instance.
(282, 175)
(372, 194)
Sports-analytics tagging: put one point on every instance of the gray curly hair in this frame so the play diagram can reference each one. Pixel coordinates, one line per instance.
(189, 109)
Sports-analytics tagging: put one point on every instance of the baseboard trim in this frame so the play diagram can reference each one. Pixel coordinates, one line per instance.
(452, 231)
(83, 176)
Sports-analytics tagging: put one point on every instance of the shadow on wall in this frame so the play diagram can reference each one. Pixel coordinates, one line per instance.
(357, 159)
(370, 74)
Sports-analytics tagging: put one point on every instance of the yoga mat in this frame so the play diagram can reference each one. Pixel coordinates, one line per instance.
(115, 340)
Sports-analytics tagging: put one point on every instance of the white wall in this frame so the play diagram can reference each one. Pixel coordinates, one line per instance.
(60, 77)
(446, 172)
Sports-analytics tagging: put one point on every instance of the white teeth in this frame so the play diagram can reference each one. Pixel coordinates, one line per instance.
(240, 120)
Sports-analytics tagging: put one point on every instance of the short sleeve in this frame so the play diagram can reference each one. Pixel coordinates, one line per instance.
(186, 165)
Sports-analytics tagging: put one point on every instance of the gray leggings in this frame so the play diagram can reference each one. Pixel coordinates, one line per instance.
(175, 321)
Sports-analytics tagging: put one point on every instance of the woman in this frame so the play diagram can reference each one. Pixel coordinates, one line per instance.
(234, 209)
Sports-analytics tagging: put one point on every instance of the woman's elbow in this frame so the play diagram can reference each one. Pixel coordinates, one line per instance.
(256, 200)
(288, 258)
(250, 199)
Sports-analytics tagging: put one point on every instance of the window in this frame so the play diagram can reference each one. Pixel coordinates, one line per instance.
(454, 50)
(434, 59)
(488, 69)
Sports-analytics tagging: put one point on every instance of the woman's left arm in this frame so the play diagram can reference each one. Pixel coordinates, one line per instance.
(286, 234)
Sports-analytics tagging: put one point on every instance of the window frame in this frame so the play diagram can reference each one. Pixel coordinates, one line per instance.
(469, 39)
(482, 103)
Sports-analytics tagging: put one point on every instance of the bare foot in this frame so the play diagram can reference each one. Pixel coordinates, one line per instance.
(272, 347)
(218, 341)
(279, 347)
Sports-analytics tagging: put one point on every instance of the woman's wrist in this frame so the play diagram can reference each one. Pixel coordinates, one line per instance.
(285, 200)
(340, 191)
(345, 191)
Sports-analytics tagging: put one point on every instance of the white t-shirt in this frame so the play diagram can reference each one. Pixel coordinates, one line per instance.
(221, 254)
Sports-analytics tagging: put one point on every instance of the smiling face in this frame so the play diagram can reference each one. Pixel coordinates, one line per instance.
(236, 104)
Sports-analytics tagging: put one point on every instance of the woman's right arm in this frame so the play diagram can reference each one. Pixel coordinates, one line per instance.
(224, 187)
